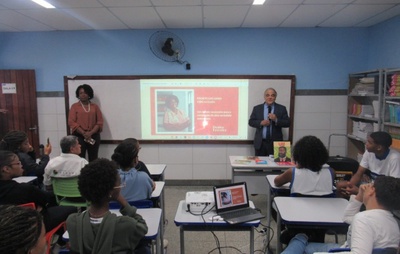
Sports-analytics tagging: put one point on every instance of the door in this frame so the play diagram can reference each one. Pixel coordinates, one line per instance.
(18, 97)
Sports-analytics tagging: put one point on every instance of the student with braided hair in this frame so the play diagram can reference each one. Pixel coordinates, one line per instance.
(18, 143)
(12, 192)
(21, 231)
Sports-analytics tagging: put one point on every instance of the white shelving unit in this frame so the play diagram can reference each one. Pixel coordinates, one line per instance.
(364, 109)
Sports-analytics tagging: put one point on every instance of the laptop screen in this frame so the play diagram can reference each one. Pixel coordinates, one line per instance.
(230, 197)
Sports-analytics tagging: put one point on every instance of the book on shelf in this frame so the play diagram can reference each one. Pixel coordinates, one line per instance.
(394, 113)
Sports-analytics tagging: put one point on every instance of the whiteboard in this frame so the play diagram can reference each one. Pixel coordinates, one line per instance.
(119, 99)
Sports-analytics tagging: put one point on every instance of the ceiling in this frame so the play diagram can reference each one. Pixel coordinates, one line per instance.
(25, 15)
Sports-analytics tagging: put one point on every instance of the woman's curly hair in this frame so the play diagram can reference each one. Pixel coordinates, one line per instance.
(88, 90)
(126, 152)
(309, 152)
(97, 180)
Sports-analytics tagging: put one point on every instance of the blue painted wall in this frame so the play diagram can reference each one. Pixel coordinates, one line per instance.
(321, 58)
(385, 45)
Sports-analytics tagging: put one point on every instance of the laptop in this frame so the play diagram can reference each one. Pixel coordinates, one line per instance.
(232, 203)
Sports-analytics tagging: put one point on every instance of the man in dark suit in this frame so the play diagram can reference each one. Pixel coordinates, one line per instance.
(268, 118)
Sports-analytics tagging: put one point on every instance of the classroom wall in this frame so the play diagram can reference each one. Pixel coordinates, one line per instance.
(210, 162)
(321, 59)
(384, 50)
(311, 54)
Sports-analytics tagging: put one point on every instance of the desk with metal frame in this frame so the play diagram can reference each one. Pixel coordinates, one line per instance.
(274, 190)
(309, 212)
(158, 193)
(189, 222)
(253, 173)
(157, 170)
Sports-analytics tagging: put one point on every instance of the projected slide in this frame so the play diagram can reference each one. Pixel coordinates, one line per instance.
(194, 109)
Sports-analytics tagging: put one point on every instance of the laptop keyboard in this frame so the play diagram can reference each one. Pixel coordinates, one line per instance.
(239, 213)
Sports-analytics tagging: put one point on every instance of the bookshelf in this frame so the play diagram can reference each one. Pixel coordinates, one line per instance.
(364, 109)
(391, 105)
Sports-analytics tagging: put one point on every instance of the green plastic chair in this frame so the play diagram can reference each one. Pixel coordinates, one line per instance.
(67, 192)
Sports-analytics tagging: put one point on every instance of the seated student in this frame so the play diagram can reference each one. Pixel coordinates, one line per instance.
(97, 230)
(139, 185)
(308, 178)
(378, 158)
(68, 164)
(371, 229)
(21, 231)
(12, 192)
(18, 143)
(140, 166)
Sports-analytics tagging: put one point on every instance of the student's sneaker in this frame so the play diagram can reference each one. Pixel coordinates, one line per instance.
(165, 243)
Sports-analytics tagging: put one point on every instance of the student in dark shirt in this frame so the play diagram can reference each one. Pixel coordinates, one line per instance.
(12, 192)
(18, 143)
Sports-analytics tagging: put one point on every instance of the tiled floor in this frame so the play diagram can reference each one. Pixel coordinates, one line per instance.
(205, 242)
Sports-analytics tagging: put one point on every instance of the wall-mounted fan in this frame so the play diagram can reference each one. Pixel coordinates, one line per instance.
(168, 47)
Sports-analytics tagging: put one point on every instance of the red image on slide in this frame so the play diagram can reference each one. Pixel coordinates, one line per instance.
(238, 196)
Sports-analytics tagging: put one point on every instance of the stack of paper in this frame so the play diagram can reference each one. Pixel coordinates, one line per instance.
(363, 89)
(362, 129)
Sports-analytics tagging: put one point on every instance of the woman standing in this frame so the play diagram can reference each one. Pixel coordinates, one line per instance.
(86, 122)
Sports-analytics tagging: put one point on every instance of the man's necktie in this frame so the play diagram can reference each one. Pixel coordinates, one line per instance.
(269, 126)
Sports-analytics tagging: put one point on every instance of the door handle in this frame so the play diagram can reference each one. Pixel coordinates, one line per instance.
(33, 129)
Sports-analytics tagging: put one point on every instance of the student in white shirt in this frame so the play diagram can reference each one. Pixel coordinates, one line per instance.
(369, 230)
(68, 164)
(378, 158)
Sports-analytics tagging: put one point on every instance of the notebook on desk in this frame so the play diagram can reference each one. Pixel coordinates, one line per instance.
(232, 203)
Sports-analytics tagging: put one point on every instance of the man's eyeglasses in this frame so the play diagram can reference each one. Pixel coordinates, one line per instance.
(15, 163)
(270, 95)
(120, 186)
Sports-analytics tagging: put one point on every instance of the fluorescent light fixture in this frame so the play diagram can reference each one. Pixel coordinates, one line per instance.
(44, 4)
(256, 2)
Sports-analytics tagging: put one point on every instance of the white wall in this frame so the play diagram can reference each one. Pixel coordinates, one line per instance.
(314, 115)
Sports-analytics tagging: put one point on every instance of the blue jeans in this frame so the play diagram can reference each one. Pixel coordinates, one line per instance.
(300, 245)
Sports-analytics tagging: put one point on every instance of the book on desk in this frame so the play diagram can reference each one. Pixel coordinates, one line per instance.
(250, 159)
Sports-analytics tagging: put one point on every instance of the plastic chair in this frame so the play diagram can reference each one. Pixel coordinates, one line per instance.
(29, 205)
(67, 193)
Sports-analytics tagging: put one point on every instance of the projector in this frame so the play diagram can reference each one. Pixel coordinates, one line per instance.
(197, 201)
